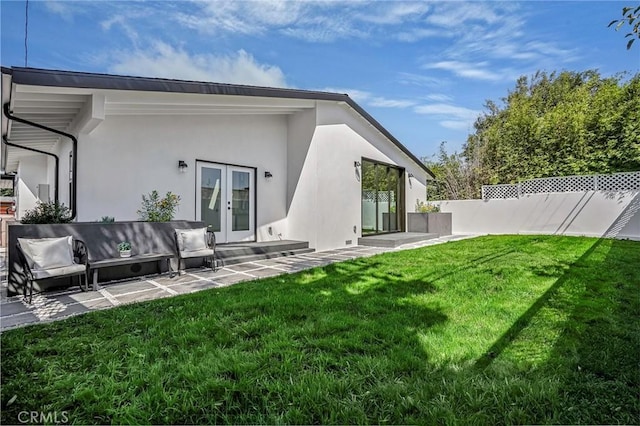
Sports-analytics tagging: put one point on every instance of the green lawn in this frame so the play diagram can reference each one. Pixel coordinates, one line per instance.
(492, 330)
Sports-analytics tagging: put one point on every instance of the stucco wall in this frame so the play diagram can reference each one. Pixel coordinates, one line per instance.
(314, 193)
(591, 213)
(32, 171)
(126, 157)
(326, 204)
(62, 150)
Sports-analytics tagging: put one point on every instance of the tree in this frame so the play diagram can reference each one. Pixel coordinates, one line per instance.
(556, 124)
(629, 16)
(456, 177)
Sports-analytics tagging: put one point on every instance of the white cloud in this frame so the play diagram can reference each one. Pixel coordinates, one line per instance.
(396, 12)
(323, 30)
(421, 80)
(438, 97)
(368, 98)
(312, 21)
(253, 17)
(415, 34)
(163, 60)
(390, 103)
(446, 109)
(129, 30)
(457, 14)
(449, 116)
(62, 8)
(476, 71)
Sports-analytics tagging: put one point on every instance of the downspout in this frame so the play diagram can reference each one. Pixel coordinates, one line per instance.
(74, 212)
(55, 157)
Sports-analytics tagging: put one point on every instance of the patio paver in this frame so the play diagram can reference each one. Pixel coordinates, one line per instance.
(59, 304)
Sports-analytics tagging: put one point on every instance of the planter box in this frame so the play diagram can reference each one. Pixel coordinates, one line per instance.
(430, 223)
(102, 243)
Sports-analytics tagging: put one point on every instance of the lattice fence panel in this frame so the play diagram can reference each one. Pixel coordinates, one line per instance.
(499, 191)
(559, 184)
(383, 196)
(619, 182)
(629, 181)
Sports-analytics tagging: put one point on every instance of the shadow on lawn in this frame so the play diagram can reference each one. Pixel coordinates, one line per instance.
(597, 348)
(602, 341)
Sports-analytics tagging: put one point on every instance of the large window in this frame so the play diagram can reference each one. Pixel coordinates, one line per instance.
(382, 198)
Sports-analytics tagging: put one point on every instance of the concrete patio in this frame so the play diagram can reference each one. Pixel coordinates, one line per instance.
(55, 305)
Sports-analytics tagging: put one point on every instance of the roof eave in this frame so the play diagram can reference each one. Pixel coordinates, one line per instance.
(43, 77)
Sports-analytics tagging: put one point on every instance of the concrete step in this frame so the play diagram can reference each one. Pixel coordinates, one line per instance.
(229, 254)
(225, 261)
(395, 239)
(228, 251)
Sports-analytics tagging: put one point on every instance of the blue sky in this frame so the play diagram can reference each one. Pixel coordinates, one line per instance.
(422, 69)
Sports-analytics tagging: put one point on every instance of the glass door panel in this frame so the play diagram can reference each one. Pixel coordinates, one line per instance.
(240, 201)
(211, 197)
(225, 201)
(393, 186)
(240, 212)
(369, 194)
(381, 198)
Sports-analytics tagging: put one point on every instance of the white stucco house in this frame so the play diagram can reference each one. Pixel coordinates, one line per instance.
(256, 163)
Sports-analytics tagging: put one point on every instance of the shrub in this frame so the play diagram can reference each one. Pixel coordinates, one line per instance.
(422, 207)
(107, 219)
(49, 212)
(156, 209)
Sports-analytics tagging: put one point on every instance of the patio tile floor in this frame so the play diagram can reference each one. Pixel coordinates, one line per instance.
(54, 305)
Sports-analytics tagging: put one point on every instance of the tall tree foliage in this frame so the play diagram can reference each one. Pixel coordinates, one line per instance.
(554, 124)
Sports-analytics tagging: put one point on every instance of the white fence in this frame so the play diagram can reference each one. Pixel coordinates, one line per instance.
(629, 181)
(599, 206)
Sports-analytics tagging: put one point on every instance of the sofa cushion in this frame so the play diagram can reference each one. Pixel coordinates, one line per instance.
(190, 240)
(74, 269)
(48, 253)
(196, 253)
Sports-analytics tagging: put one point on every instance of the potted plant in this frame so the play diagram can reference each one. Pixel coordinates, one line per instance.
(124, 248)
(428, 218)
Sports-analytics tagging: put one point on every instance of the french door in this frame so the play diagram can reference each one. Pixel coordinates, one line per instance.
(225, 200)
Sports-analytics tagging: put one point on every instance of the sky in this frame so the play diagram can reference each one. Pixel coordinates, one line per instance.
(422, 69)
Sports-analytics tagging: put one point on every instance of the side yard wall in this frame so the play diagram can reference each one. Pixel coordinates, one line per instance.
(589, 213)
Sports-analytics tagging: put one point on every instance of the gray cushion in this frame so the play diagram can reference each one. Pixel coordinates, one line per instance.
(196, 253)
(192, 239)
(74, 269)
(48, 253)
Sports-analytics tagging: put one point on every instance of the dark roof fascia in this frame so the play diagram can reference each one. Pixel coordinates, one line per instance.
(44, 77)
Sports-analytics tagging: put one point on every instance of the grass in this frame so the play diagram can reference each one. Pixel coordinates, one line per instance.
(493, 330)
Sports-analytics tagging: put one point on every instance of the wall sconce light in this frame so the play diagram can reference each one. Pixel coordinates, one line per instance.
(356, 164)
(268, 175)
(182, 166)
(411, 175)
